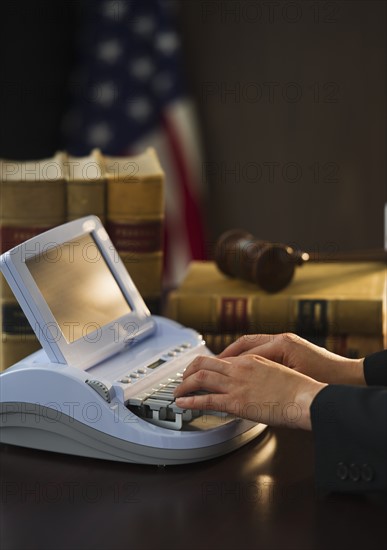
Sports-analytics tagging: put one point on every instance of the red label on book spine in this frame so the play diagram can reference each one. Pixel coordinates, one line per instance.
(136, 237)
(11, 236)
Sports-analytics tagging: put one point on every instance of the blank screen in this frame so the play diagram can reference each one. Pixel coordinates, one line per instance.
(78, 286)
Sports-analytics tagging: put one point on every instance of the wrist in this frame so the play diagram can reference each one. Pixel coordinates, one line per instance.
(358, 372)
(305, 398)
(351, 372)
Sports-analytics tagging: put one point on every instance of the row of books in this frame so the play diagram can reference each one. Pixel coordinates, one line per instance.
(340, 305)
(126, 193)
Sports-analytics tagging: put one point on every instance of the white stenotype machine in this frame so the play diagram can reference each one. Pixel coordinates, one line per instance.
(102, 384)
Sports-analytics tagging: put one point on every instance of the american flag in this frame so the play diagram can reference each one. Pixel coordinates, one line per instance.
(127, 92)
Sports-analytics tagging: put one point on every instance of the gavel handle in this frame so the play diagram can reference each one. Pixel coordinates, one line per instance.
(375, 255)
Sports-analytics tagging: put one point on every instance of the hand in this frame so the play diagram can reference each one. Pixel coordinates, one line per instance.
(300, 355)
(250, 387)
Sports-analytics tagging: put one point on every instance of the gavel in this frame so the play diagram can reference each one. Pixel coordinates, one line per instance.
(271, 265)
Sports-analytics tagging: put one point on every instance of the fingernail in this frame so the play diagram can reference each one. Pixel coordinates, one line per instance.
(180, 400)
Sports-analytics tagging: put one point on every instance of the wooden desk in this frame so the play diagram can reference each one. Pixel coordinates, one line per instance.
(261, 496)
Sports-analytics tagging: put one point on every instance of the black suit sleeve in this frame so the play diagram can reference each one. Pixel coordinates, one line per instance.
(350, 431)
(375, 369)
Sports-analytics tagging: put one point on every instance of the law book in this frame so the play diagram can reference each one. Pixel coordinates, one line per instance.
(32, 199)
(347, 345)
(17, 339)
(343, 298)
(135, 218)
(86, 186)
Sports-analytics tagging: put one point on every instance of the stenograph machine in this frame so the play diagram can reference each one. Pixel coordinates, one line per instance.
(102, 384)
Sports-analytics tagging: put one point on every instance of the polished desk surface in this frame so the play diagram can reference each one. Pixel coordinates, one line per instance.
(260, 496)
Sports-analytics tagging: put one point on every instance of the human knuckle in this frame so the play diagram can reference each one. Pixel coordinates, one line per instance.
(201, 375)
(248, 358)
(248, 363)
(252, 338)
(197, 362)
(289, 338)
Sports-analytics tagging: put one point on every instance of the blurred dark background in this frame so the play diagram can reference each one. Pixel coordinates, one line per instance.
(291, 104)
(292, 99)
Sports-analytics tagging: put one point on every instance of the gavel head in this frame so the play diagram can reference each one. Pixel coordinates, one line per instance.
(269, 265)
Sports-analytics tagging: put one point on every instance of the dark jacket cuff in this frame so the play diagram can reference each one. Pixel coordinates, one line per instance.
(375, 369)
(349, 426)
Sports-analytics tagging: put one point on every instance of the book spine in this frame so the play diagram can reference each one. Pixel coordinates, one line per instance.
(86, 187)
(16, 348)
(17, 339)
(16, 335)
(354, 346)
(274, 314)
(85, 198)
(135, 222)
(140, 247)
(29, 206)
